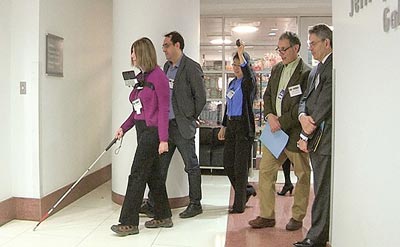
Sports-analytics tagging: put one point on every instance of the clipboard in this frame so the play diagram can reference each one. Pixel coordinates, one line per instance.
(275, 142)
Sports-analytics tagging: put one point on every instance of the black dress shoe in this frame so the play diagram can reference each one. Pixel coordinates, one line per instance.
(191, 211)
(146, 209)
(250, 192)
(235, 211)
(308, 243)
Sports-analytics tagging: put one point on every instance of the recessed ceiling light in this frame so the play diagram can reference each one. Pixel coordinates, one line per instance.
(274, 29)
(244, 29)
(272, 34)
(221, 41)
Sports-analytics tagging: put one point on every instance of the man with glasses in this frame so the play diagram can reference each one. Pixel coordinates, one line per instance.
(281, 103)
(315, 116)
(187, 99)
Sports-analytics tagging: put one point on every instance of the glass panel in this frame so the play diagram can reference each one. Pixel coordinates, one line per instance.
(212, 113)
(214, 85)
(217, 58)
(211, 31)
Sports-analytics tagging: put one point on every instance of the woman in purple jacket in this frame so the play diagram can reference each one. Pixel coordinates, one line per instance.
(150, 102)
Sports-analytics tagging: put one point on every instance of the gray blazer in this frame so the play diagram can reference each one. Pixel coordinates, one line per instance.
(188, 95)
(317, 103)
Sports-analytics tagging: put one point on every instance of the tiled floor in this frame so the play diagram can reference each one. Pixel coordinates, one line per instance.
(87, 223)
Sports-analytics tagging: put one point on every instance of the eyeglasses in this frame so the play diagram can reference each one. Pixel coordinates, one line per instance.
(166, 45)
(281, 50)
(313, 43)
(235, 65)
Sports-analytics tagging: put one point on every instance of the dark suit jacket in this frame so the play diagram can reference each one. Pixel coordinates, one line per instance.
(248, 89)
(188, 95)
(290, 105)
(317, 103)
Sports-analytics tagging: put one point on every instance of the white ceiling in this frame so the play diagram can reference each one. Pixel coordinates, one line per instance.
(268, 14)
(266, 7)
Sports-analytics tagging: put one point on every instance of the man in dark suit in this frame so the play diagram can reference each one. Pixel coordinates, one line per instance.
(281, 102)
(315, 116)
(187, 99)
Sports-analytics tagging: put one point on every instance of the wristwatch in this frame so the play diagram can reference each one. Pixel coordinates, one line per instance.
(303, 137)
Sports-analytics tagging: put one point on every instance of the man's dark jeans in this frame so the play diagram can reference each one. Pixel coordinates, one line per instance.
(187, 149)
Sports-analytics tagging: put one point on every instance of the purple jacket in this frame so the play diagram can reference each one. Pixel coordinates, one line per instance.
(155, 104)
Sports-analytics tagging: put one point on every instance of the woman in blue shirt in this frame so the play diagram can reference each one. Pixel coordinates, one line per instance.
(238, 128)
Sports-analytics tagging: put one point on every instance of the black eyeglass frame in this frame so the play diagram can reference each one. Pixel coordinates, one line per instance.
(284, 49)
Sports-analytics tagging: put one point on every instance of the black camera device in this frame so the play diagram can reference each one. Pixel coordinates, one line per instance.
(129, 78)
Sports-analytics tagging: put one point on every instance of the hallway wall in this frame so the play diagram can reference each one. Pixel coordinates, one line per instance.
(5, 100)
(367, 115)
(75, 110)
(24, 113)
(54, 132)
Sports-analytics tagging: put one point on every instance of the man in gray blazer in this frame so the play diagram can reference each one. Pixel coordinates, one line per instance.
(285, 87)
(187, 99)
(315, 116)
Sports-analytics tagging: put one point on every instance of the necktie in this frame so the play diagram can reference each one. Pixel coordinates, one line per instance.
(316, 78)
(319, 68)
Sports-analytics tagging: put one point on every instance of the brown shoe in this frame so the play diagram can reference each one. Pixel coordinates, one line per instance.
(261, 222)
(125, 230)
(294, 225)
(167, 223)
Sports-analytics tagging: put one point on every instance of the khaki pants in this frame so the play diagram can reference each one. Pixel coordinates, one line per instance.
(268, 173)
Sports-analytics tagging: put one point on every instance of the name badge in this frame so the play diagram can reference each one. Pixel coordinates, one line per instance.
(137, 106)
(171, 83)
(230, 94)
(281, 93)
(295, 90)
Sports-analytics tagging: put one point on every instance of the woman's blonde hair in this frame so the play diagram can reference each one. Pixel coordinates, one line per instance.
(146, 57)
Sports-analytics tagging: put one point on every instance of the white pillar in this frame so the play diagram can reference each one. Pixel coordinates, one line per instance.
(366, 110)
(133, 20)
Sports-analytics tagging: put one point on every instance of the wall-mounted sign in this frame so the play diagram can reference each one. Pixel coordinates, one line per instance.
(391, 17)
(54, 55)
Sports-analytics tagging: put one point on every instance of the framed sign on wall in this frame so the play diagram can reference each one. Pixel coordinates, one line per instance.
(54, 55)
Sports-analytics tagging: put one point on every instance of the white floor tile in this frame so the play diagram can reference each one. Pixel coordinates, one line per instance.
(31, 239)
(87, 222)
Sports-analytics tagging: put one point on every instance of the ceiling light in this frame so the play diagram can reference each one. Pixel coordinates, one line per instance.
(221, 41)
(244, 29)
(272, 34)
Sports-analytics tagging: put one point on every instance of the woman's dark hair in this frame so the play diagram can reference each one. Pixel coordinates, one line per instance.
(245, 55)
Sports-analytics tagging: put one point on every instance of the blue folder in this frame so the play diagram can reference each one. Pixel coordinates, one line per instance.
(275, 142)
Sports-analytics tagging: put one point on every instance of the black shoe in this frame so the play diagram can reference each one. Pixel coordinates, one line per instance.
(250, 193)
(146, 209)
(308, 243)
(235, 211)
(191, 211)
(285, 189)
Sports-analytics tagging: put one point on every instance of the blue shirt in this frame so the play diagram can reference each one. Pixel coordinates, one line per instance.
(171, 74)
(234, 102)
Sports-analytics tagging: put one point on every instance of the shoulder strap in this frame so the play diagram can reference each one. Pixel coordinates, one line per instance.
(142, 84)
